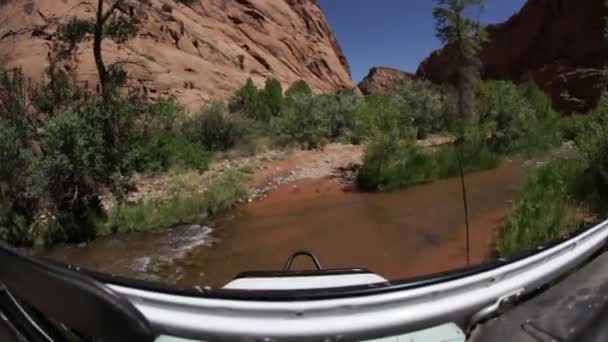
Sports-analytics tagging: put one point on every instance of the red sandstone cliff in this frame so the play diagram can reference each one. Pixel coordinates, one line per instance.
(558, 43)
(194, 53)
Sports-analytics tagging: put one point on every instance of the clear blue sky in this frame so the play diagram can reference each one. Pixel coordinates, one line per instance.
(394, 33)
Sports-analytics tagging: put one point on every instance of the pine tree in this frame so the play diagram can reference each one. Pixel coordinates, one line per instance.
(466, 36)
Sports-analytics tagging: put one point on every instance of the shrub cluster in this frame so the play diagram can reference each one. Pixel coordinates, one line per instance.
(297, 117)
(53, 172)
(522, 117)
(391, 163)
(545, 211)
(547, 208)
(515, 119)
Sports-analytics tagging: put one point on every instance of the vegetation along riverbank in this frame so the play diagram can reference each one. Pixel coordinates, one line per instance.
(76, 164)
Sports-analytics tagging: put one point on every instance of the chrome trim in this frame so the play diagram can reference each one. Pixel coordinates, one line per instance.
(365, 317)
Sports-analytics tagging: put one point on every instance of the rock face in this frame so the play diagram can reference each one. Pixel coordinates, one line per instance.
(382, 79)
(195, 53)
(558, 43)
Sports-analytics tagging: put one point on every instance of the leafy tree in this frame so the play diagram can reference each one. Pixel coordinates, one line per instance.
(118, 29)
(272, 97)
(75, 31)
(342, 113)
(215, 129)
(19, 186)
(305, 121)
(106, 24)
(298, 88)
(58, 92)
(522, 117)
(593, 145)
(14, 106)
(422, 105)
(247, 100)
(75, 169)
(380, 115)
(466, 36)
(259, 105)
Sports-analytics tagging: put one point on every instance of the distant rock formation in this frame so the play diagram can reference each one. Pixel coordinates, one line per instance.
(382, 79)
(196, 53)
(557, 43)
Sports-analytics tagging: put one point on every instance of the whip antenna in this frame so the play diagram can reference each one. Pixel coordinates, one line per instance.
(464, 200)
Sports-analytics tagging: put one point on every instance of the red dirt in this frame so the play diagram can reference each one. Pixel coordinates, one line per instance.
(401, 234)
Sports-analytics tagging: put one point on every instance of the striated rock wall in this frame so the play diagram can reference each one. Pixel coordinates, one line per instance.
(195, 53)
(558, 43)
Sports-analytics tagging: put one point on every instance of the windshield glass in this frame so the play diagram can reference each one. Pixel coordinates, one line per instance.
(186, 142)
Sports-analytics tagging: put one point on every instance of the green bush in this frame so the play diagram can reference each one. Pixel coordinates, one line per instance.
(14, 102)
(593, 146)
(381, 115)
(300, 117)
(20, 182)
(522, 115)
(75, 168)
(342, 114)
(75, 30)
(57, 92)
(215, 129)
(19, 187)
(573, 127)
(85, 152)
(470, 156)
(121, 28)
(196, 208)
(53, 173)
(298, 88)
(166, 150)
(422, 105)
(304, 122)
(261, 105)
(545, 211)
(160, 116)
(272, 98)
(391, 163)
(315, 119)
(248, 102)
(545, 133)
(166, 8)
(163, 139)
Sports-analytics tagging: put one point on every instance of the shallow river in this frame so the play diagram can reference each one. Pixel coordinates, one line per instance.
(399, 234)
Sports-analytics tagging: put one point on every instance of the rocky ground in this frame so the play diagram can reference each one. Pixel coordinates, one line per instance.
(265, 171)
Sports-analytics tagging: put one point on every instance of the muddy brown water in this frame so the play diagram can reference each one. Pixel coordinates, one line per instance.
(400, 234)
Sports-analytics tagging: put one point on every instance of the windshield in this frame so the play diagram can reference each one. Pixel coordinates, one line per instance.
(190, 143)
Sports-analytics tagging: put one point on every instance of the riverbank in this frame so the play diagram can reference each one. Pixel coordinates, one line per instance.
(400, 234)
(263, 172)
(406, 233)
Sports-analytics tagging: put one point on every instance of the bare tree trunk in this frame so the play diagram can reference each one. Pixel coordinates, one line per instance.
(468, 89)
(102, 71)
(468, 78)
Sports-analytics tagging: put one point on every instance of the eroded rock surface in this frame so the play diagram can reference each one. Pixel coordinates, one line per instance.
(195, 53)
(558, 43)
(382, 79)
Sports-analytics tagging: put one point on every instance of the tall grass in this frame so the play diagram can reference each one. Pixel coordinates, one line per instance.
(391, 164)
(546, 209)
(412, 165)
(150, 215)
